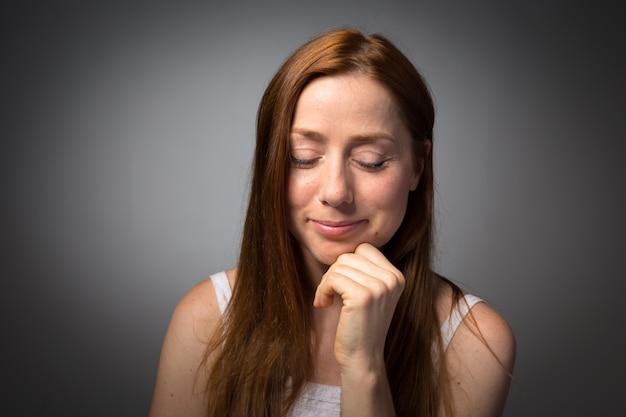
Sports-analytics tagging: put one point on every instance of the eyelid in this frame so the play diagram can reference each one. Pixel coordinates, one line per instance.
(372, 166)
(367, 159)
(302, 163)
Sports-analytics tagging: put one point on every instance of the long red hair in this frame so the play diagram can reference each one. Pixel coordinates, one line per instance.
(261, 358)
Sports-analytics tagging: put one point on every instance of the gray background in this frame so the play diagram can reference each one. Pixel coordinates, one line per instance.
(127, 131)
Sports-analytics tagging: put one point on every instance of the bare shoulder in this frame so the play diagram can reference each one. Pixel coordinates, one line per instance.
(483, 324)
(197, 313)
(179, 388)
(493, 328)
(480, 361)
(198, 304)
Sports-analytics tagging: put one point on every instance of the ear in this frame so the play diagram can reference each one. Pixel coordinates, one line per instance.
(426, 146)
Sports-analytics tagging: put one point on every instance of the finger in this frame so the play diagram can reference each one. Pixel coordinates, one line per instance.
(367, 267)
(357, 288)
(366, 273)
(370, 252)
(372, 262)
(332, 284)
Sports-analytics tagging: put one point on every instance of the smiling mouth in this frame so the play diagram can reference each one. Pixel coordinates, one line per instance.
(336, 229)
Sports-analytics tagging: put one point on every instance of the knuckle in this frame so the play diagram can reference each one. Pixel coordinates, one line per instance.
(343, 258)
(401, 281)
(366, 298)
(379, 288)
(394, 279)
(329, 277)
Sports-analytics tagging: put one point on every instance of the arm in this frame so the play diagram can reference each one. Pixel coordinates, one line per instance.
(179, 388)
(369, 287)
(479, 382)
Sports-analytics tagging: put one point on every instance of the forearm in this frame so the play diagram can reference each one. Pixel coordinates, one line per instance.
(365, 392)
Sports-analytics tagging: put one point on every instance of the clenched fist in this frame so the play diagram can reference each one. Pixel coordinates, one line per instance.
(369, 287)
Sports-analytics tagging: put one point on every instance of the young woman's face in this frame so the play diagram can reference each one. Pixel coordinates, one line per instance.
(351, 168)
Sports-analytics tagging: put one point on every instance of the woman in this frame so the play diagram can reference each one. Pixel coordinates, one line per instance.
(335, 307)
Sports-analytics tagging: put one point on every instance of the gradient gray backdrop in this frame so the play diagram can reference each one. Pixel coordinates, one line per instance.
(127, 130)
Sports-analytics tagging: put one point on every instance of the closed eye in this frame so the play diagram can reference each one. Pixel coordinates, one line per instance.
(371, 166)
(302, 163)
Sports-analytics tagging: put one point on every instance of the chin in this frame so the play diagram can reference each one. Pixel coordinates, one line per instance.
(329, 255)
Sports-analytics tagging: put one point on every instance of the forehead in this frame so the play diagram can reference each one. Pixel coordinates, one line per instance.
(349, 100)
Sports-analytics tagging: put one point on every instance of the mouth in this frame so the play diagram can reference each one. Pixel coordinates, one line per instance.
(336, 229)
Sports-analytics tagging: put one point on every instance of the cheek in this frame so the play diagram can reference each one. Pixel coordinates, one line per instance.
(389, 204)
(391, 195)
(299, 190)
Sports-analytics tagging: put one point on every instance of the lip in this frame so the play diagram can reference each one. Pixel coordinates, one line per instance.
(336, 229)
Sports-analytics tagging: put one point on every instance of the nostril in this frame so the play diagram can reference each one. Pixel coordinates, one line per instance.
(335, 183)
(335, 195)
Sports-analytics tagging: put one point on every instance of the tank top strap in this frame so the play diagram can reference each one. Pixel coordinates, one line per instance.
(222, 288)
(452, 323)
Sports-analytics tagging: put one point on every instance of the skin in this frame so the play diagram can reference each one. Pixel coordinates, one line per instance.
(352, 169)
(351, 173)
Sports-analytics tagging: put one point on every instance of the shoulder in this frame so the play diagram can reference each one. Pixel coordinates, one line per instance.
(197, 309)
(483, 322)
(484, 334)
(479, 362)
(197, 313)
(180, 374)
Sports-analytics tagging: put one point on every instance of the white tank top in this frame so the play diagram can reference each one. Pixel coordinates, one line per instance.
(318, 400)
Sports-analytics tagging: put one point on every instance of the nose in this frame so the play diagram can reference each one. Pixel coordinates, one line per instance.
(336, 184)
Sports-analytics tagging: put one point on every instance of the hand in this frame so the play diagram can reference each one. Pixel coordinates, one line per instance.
(369, 286)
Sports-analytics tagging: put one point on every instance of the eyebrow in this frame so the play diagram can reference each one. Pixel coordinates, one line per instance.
(365, 137)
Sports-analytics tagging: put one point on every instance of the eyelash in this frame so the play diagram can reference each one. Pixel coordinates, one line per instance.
(302, 163)
(372, 167)
(306, 163)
